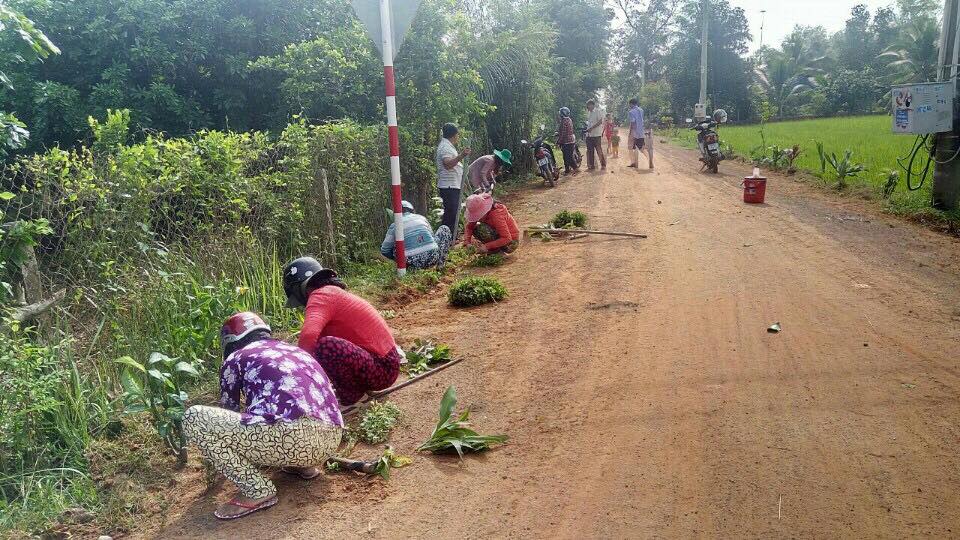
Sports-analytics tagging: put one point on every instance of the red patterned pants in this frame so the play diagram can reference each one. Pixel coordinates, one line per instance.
(353, 370)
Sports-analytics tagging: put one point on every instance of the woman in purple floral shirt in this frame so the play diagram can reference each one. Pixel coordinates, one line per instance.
(279, 410)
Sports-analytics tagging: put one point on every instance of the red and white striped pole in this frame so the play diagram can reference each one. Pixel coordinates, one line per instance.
(386, 32)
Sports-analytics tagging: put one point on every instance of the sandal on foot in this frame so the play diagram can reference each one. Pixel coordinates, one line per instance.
(248, 508)
(298, 472)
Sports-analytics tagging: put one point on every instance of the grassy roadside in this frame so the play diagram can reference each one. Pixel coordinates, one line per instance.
(871, 142)
(119, 476)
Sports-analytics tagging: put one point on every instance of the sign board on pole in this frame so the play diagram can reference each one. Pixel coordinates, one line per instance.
(923, 108)
(402, 14)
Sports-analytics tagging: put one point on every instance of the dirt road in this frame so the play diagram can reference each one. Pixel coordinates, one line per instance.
(644, 397)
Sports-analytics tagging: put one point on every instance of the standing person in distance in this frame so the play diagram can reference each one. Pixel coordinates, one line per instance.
(567, 139)
(595, 119)
(608, 129)
(450, 175)
(635, 140)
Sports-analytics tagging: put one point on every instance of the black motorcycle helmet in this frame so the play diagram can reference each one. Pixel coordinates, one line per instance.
(297, 275)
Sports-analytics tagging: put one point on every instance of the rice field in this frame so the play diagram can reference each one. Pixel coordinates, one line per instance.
(869, 137)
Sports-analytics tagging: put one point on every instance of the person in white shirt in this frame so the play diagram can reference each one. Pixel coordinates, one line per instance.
(595, 118)
(450, 175)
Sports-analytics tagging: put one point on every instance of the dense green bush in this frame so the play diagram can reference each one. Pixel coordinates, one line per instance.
(475, 291)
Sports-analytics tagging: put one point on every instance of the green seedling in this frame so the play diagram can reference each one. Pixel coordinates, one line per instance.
(377, 421)
(569, 220)
(391, 460)
(424, 355)
(476, 291)
(453, 432)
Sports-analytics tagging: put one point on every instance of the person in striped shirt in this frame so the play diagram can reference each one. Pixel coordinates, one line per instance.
(424, 248)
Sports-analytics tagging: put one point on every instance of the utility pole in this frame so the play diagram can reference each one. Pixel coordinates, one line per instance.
(763, 20)
(946, 176)
(700, 111)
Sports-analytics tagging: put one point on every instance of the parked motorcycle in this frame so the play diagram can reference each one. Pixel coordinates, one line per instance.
(543, 154)
(709, 142)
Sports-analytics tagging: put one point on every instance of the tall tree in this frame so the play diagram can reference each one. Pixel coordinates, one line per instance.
(914, 55)
(581, 50)
(179, 66)
(729, 76)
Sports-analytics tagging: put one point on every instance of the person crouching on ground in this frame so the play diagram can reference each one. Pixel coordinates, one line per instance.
(484, 170)
(482, 210)
(291, 419)
(424, 248)
(347, 336)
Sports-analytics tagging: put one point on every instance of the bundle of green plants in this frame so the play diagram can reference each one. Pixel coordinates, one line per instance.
(454, 433)
(391, 460)
(476, 291)
(377, 421)
(485, 233)
(487, 260)
(569, 220)
(425, 354)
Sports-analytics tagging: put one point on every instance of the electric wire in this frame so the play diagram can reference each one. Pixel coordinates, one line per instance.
(907, 162)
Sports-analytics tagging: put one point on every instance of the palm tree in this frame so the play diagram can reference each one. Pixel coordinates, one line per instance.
(784, 75)
(914, 55)
(792, 69)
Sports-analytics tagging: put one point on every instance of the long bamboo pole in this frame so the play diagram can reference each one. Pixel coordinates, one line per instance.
(580, 231)
(377, 395)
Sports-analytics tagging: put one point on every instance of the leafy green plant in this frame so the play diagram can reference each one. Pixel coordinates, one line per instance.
(453, 432)
(823, 157)
(377, 421)
(566, 219)
(487, 260)
(425, 354)
(391, 460)
(157, 387)
(890, 183)
(844, 167)
(476, 291)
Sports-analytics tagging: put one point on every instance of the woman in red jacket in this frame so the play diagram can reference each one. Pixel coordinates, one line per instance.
(347, 336)
(481, 208)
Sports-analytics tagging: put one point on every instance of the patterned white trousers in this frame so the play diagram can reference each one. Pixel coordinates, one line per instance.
(237, 450)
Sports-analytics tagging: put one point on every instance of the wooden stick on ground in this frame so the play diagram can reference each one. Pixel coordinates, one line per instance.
(581, 231)
(377, 395)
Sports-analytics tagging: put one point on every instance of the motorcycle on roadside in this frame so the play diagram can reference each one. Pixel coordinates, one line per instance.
(543, 154)
(708, 142)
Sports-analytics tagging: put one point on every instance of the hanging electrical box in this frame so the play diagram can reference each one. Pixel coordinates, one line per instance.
(923, 108)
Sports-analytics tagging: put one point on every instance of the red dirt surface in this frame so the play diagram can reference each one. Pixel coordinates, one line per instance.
(644, 396)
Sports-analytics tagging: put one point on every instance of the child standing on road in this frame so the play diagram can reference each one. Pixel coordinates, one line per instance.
(615, 142)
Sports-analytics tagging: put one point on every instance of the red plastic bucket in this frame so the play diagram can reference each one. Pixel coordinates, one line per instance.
(754, 189)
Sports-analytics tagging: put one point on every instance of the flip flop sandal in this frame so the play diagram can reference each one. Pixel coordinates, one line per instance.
(250, 508)
(301, 475)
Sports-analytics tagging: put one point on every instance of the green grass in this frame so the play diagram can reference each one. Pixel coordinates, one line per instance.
(869, 137)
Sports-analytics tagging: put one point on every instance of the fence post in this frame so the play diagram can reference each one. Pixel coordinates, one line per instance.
(649, 136)
(331, 232)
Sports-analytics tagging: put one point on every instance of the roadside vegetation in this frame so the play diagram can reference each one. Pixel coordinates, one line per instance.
(871, 144)
(161, 170)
